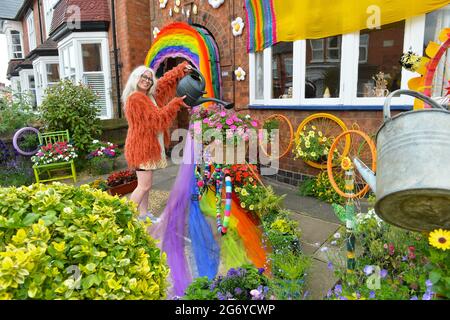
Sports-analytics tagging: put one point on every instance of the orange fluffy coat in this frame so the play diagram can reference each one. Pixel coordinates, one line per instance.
(145, 120)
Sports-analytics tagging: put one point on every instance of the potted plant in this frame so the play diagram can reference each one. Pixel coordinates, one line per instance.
(122, 182)
(313, 145)
(102, 157)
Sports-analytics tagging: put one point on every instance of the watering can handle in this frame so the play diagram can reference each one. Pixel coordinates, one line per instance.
(418, 95)
(202, 79)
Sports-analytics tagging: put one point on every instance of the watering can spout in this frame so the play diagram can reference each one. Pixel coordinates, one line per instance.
(227, 105)
(366, 173)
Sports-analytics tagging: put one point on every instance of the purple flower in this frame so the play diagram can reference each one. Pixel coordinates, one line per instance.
(232, 272)
(414, 298)
(427, 295)
(383, 273)
(372, 294)
(329, 293)
(238, 291)
(405, 258)
(261, 270)
(368, 270)
(338, 289)
(428, 283)
(330, 266)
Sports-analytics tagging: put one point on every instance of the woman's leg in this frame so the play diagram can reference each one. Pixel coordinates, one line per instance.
(143, 189)
(143, 207)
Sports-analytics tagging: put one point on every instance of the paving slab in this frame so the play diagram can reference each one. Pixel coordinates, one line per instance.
(314, 232)
(319, 280)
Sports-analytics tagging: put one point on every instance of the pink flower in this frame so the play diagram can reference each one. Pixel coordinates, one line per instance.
(233, 127)
(254, 123)
(223, 114)
(206, 121)
(219, 126)
(229, 121)
(391, 249)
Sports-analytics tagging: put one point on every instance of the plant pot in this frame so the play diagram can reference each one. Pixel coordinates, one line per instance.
(123, 189)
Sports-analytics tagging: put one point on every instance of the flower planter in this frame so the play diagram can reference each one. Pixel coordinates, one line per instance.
(123, 189)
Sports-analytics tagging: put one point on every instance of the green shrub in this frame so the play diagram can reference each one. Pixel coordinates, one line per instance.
(320, 187)
(72, 107)
(16, 111)
(48, 233)
(200, 289)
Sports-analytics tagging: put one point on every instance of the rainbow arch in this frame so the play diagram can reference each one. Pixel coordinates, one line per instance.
(194, 44)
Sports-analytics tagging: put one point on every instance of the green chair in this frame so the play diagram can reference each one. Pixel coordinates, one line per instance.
(51, 168)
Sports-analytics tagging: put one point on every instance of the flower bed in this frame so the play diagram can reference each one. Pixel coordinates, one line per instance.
(64, 242)
(102, 157)
(394, 263)
(118, 183)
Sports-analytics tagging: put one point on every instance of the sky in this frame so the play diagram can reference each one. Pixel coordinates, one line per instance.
(3, 59)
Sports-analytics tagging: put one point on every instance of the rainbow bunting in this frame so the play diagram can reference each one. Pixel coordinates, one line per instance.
(194, 44)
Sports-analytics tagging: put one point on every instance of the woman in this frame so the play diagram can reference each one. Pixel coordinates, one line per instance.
(150, 108)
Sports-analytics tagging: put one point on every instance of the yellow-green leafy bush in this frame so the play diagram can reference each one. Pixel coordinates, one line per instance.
(64, 242)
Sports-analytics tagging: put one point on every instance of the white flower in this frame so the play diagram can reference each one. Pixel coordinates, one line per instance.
(238, 26)
(215, 3)
(94, 141)
(333, 242)
(337, 235)
(155, 32)
(162, 3)
(324, 249)
(240, 74)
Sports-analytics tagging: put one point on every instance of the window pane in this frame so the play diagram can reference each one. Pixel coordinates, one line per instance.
(91, 57)
(384, 47)
(323, 75)
(434, 23)
(282, 54)
(259, 75)
(52, 72)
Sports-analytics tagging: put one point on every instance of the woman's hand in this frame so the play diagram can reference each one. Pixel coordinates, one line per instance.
(188, 69)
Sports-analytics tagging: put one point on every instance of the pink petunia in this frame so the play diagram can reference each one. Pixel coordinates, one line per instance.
(233, 127)
(229, 121)
(254, 123)
(223, 114)
(219, 126)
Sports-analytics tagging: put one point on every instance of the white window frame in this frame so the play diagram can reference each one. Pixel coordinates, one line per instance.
(48, 14)
(31, 31)
(413, 38)
(24, 76)
(19, 34)
(74, 41)
(40, 75)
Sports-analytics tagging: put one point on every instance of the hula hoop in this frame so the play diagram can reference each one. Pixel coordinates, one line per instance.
(16, 137)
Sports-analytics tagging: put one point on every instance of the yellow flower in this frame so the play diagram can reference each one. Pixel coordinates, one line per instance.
(311, 134)
(250, 179)
(252, 207)
(314, 127)
(346, 163)
(307, 144)
(440, 239)
(320, 133)
(243, 205)
(313, 154)
(324, 139)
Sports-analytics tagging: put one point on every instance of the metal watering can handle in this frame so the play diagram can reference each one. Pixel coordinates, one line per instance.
(202, 79)
(415, 94)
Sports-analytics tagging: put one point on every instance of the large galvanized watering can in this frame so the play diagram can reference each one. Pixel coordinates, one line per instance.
(412, 184)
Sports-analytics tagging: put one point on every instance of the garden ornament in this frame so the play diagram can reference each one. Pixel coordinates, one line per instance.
(193, 87)
(412, 184)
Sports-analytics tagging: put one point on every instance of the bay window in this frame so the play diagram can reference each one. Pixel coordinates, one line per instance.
(84, 57)
(355, 70)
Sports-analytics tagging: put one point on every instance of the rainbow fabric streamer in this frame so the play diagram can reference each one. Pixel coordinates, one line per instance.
(272, 21)
(262, 26)
(194, 44)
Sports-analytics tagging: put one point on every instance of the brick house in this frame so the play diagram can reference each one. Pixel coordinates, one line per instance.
(296, 79)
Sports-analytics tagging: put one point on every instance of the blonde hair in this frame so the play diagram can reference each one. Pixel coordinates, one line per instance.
(133, 80)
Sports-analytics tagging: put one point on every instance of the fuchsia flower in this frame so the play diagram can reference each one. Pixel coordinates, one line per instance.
(223, 114)
(254, 123)
(229, 121)
(219, 126)
(233, 127)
